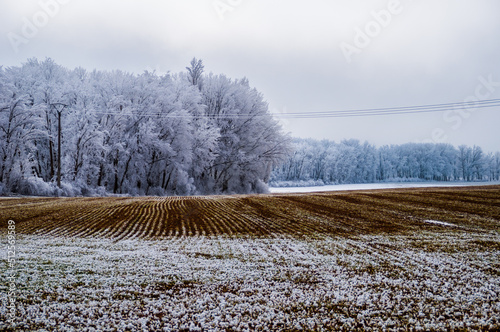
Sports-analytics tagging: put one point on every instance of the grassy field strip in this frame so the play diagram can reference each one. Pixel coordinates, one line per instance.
(440, 281)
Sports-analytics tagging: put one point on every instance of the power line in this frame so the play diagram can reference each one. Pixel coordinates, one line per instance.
(331, 114)
(393, 110)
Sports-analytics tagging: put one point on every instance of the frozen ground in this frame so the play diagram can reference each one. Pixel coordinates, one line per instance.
(369, 186)
(424, 282)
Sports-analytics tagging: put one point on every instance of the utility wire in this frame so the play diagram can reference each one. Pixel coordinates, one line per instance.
(434, 107)
(331, 114)
(391, 111)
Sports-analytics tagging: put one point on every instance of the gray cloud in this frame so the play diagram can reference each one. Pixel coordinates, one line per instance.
(290, 50)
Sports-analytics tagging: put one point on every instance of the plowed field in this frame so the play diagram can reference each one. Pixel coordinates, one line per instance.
(381, 260)
(340, 213)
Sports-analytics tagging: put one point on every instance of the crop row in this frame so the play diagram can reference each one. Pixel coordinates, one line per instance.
(347, 213)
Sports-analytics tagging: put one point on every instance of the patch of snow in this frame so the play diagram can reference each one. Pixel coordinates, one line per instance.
(437, 222)
(373, 186)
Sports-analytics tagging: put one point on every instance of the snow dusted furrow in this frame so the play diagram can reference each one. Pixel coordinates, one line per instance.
(344, 214)
(147, 221)
(240, 222)
(426, 281)
(208, 227)
(104, 216)
(155, 221)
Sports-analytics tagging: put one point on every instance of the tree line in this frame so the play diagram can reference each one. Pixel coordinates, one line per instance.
(174, 134)
(315, 162)
(79, 132)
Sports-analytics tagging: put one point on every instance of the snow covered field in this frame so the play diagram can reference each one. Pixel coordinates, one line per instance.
(370, 186)
(410, 260)
(427, 281)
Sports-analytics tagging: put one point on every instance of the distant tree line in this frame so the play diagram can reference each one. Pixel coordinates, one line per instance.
(175, 134)
(182, 134)
(350, 161)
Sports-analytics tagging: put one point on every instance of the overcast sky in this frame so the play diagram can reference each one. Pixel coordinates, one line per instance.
(304, 56)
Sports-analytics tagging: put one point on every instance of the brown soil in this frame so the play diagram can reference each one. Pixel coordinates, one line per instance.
(470, 209)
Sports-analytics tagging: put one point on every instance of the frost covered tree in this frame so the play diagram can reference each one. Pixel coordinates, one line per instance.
(317, 162)
(471, 163)
(134, 134)
(494, 166)
(195, 72)
(18, 129)
(250, 144)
